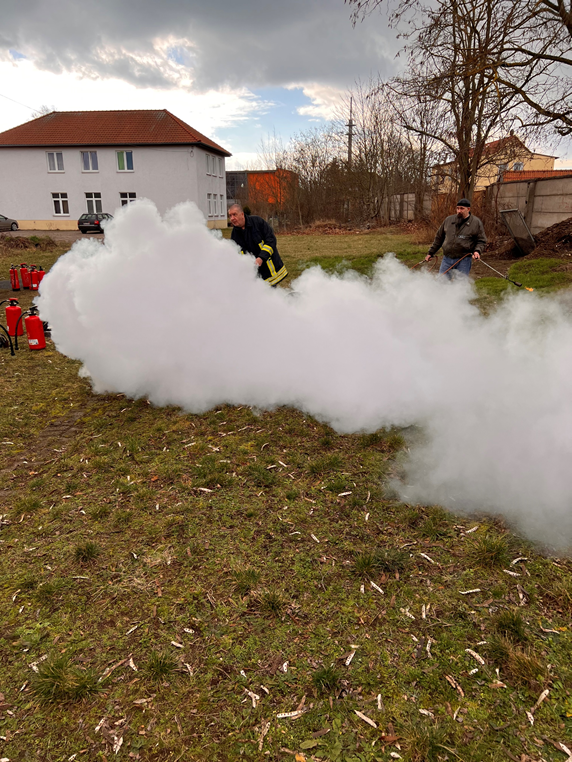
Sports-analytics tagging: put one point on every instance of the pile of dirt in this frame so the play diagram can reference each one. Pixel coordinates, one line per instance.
(20, 242)
(554, 242)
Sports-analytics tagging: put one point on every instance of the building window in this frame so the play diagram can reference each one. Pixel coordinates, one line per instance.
(518, 166)
(221, 212)
(125, 161)
(127, 197)
(502, 168)
(221, 167)
(93, 203)
(210, 204)
(55, 161)
(208, 164)
(89, 161)
(60, 202)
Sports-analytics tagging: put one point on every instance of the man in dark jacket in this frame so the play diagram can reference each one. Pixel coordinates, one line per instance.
(460, 235)
(255, 236)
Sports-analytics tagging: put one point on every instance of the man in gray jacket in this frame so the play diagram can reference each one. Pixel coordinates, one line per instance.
(460, 235)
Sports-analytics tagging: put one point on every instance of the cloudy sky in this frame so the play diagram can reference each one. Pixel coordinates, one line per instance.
(236, 71)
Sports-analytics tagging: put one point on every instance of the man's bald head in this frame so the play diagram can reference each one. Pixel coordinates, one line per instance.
(236, 216)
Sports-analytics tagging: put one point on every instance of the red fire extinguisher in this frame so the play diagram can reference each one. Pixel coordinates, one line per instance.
(8, 340)
(34, 280)
(13, 312)
(14, 280)
(25, 275)
(35, 329)
(41, 273)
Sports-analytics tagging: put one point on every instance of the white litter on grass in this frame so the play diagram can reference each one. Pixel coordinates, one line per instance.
(544, 695)
(349, 659)
(468, 592)
(290, 715)
(34, 664)
(427, 713)
(365, 718)
(475, 656)
(376, 587)
(426, 557)
(254, 697)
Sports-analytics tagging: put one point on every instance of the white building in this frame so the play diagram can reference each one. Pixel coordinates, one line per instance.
(56, 168)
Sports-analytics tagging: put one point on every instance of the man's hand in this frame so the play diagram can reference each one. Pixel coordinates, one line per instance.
(476, 255)
(428, 257)
(258, 261)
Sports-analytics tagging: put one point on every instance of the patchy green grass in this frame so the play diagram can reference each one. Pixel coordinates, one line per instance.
(542, 274)
(191, 578)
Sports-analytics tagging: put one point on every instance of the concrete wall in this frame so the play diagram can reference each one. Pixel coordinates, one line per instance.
(543, 202)
(401, 207)
(165, 174)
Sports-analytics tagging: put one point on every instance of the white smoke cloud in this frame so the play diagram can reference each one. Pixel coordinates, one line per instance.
(164, 310)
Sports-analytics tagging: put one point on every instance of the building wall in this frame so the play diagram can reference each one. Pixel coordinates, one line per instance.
(489, 174)
(165, 174)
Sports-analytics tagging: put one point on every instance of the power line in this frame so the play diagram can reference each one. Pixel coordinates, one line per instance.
(18, 102)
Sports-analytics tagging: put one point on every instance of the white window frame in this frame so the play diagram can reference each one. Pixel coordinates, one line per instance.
(210, 204)
(208, 164)
(518, 166)
(94, 197)
(124, 151)
(62, 199)
(127, 197)
(220, 166)
(55, 154)
(90, 155)
(221, 213)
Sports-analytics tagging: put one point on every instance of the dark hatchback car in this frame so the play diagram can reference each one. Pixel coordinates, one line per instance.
(92, 223)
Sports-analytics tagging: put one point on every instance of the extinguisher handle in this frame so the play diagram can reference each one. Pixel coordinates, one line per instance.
(10, 340)
(4, 301)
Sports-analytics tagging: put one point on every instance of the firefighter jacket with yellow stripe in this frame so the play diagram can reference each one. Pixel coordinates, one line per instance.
(257, 238)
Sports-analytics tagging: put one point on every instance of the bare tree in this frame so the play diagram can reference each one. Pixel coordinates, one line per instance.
(42, 111)
(526, 51)
(449, 95)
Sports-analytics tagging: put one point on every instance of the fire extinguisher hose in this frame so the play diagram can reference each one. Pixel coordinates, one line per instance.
(9, 339)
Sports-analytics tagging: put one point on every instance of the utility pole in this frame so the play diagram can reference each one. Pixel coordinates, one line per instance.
(350, 126)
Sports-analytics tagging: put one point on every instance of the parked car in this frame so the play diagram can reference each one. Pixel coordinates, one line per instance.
(93, 222)
(7, 224)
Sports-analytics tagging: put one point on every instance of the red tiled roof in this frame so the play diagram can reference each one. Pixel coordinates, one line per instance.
(533, 174)
(90, 128)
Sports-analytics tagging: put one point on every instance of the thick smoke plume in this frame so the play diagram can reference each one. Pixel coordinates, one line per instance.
(164, 310)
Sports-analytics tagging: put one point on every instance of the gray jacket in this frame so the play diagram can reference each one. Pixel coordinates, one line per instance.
(459, 237)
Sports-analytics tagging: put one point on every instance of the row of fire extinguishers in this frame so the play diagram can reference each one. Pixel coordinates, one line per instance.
(31, 278)
(16, 321)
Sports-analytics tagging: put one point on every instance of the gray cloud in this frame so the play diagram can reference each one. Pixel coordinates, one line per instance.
(253, 43)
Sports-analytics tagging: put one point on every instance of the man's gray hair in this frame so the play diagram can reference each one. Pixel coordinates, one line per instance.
(236, 206)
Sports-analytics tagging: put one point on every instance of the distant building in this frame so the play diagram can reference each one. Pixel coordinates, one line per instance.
(499, 157)
(268, 191)
(55, 168)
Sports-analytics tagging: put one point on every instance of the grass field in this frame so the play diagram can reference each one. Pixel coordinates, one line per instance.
(242, 585)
